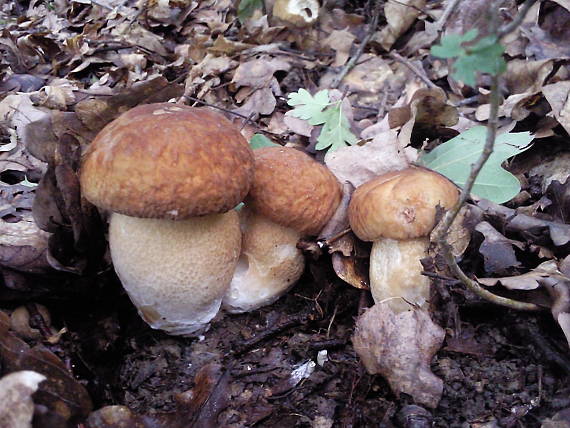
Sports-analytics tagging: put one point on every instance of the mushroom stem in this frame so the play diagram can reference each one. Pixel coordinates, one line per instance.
(269, 265)
(176, 272)
(395, 273)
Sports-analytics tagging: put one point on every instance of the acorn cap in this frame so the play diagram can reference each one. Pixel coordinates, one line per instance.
(293, 190)
(167, 161)
(400, 204)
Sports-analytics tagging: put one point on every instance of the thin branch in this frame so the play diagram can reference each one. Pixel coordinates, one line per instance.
(513, 25)
(396, 56)
(440, 23)
(441, 236)
(352, 62)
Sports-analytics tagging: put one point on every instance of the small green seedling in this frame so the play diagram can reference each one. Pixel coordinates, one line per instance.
(319, 110)
(485, 55)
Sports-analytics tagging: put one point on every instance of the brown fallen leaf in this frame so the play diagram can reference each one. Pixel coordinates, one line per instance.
(23, 246)
(359, 164)
(498, 253)
(557, 95)
(341, 42)
(16, 404)
(400, 348)
(399, 16)
(64, 397)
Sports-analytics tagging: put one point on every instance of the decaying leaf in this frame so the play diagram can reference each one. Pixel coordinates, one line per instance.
(16, 404)
(497, 250)
(558, 96)
(64, 397)
(358, 164)
(400, 16)
(400, 348)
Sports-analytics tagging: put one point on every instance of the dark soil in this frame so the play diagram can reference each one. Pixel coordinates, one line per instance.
(497, 366)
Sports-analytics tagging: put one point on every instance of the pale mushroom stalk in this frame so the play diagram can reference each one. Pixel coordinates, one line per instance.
(397, 211)
(292, 196)
(171, 176)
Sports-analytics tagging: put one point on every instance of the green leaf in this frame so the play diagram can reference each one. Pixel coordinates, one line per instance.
(455, 157)
(486, 55)
(451, 45)
(308, 107)
(336, 130)
(258, 141)
(247, 7)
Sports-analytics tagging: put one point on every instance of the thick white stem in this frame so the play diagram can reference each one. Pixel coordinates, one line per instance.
(395, 273)
(176, 272)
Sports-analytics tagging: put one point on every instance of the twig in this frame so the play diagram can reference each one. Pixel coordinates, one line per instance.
(270, 332)
(446, 14)
(441, 236)
(510, 27)
(396, 56)
(352, 62)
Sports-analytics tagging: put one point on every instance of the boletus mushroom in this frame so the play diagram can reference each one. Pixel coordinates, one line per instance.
(397, 211)
(292, 196)
(171, 176)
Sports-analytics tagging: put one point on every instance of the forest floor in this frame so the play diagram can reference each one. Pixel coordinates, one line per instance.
(69, 68)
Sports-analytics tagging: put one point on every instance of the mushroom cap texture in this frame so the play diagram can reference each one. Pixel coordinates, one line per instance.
(176, 272)
(167, 161)
(269, 265)
(293, 190)
(400, 204)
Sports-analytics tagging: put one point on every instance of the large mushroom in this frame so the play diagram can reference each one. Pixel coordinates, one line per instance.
(397, 211)
(292, 196)
(171, 176)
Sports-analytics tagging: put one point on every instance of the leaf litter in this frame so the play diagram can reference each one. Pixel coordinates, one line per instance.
(69, 69)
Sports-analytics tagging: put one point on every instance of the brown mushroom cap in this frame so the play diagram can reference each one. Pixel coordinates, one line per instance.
(167, 161)
(293, 190)
(400, 204)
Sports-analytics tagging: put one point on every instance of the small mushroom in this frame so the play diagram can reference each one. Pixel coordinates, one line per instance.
(171, 174)
(397, 211)
(292, 196)
(299, 13)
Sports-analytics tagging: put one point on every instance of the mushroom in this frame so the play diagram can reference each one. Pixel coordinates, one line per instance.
(397, 211)
(170, 175)
(299, 13)
(292, 196)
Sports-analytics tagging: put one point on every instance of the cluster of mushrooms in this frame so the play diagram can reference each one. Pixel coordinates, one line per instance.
(170, 177)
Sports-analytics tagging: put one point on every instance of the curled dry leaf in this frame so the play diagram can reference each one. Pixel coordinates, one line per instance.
(557, 96)
(96, 112)
(531, 228)
(65, 398)
(497, 250)
(16, 404)
(359, 164)
(23, 246)
(400, 16)
(400, 348)
(340, 42)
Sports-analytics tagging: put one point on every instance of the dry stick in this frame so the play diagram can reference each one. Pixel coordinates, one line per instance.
(352, 62)
(446, 14)
(441, 237)
(396, 56)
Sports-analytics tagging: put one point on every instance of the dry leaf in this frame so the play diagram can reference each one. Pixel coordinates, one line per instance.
(341, 42)
(400, 16)
(558, 96)
(497, 250)
(359, 164)
(400, 348)
(16, 404)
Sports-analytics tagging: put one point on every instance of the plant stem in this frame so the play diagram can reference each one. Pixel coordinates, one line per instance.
(441, 236)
